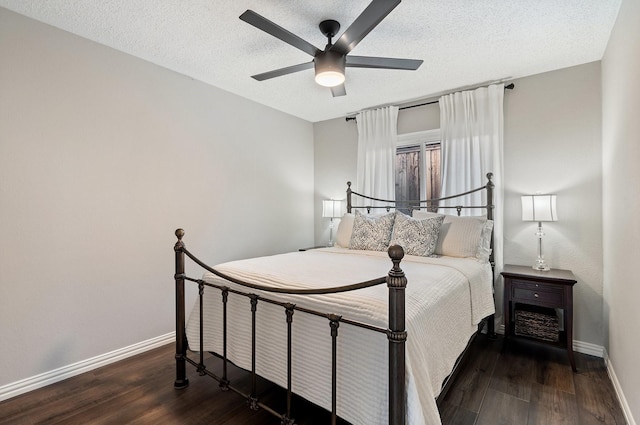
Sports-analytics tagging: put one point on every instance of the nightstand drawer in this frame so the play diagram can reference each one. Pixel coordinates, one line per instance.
(537, 293)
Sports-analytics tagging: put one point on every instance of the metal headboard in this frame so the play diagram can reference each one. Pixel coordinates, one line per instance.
(429, 204)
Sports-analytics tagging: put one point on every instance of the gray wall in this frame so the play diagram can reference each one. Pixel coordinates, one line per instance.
(552, 144)
(621, 203)
(102, 157)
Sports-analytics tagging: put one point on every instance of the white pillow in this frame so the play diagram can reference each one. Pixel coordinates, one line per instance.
(345, 228)
(462, 236)
(416, 237)
(371, 233)
(484, 248)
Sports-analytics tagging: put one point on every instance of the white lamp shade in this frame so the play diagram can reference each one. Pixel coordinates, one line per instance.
(331, 208)
(539, 208)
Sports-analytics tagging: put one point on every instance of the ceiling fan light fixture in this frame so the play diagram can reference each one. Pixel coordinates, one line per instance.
(329, 64)
(329, 78)
(329, 67)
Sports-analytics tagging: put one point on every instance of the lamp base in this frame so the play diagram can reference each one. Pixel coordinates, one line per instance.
(541, 265)
(330, 233)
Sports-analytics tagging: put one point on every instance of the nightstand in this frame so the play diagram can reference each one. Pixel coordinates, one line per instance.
(551, 289)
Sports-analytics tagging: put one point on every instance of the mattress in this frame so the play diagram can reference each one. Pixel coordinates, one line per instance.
(445, 300)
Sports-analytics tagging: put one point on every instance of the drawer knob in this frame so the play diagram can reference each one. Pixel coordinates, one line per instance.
(535, 295)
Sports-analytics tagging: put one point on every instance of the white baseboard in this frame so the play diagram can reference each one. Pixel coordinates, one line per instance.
(626, 410)
(588, 348)
(29, 384)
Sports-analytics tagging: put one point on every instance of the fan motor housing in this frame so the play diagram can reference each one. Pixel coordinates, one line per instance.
(329, 62)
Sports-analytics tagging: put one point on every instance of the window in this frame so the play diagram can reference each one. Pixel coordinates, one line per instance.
(417, 168)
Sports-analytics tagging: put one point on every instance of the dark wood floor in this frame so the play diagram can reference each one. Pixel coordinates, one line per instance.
(525, 384)
(529, 383)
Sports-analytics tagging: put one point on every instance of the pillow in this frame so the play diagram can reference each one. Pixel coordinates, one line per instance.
(345, 228)
(371, 233)
(462, 236)
(484, 248)
(416, 237)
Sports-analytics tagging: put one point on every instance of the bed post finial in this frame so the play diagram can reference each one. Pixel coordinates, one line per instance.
(490, 186)
(179, 234)
(349, 197)
(397, 336)
(396, 253)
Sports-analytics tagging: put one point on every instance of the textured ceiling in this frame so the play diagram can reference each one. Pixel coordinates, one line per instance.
(462, 43)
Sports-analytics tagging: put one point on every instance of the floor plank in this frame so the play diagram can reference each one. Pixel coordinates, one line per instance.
(499, 408)
(469, 389)
(515, 374)
(597, 403)
(556, 375)
(455, 415)
(550, 405)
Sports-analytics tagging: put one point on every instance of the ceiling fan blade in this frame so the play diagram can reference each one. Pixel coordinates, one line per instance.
(384, 63)
(338, 90)
(283, 71)
(372, 15)
(277, 31)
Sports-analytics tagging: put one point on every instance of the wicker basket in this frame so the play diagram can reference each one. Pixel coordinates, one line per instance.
(537, 322)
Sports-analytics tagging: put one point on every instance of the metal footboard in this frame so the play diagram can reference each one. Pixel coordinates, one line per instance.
(396, 333)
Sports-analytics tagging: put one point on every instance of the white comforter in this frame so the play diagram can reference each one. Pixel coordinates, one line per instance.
(445, 298)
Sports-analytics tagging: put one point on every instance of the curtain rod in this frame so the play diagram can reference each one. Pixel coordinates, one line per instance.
(507, 87)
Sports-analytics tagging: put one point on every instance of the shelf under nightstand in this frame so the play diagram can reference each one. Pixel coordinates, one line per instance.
(551, 289)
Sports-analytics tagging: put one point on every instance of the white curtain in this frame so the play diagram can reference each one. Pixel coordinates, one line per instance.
(377, 136)
(471, 124)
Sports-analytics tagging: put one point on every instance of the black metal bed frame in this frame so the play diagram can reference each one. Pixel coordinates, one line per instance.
(396, 332)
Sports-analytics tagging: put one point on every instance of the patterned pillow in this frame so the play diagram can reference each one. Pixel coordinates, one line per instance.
(416, 237)
(371, 233)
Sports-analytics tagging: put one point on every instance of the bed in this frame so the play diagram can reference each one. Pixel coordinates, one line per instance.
(336, 326)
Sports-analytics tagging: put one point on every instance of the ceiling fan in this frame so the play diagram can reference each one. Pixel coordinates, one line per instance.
(330, 63)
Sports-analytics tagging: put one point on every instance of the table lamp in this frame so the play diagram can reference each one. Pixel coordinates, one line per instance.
(331, 209)
(539, 208)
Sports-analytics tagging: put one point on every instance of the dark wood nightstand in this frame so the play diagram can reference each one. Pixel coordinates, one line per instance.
(553, 289)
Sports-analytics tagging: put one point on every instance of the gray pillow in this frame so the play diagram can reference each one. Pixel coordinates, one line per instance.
(416, 236)
(371, 233)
